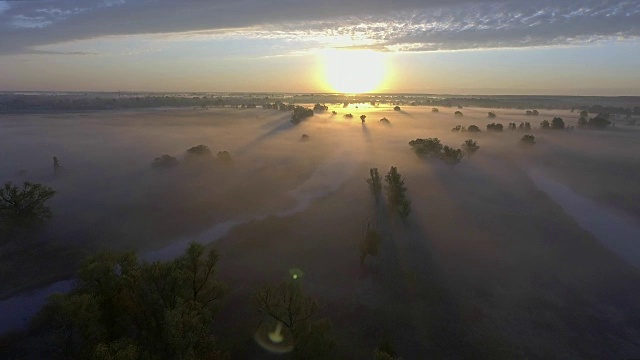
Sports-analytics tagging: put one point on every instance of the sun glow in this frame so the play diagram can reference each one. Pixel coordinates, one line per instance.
(354, 71)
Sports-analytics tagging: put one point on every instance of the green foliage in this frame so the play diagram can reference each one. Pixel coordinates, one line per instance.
(451, 156)
(224, 156)
(26, 206)
(300, 113)
(370, 244)
(397, 193)
(375, 183)
(287, 304)
(557, 123)
(122, 308)
(320, 108)
(426, 147)
(198, 152)
(165, 162)
(495, 127)
(528, 140)
(470, 147)
(473, 128)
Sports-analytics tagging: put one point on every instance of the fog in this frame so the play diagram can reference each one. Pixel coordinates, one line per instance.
(494, 256)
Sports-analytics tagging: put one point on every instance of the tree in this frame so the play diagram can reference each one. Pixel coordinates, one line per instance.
(528, 140)
(451, 156)
(370, 244)
(375, 183)
(396, 108)
(470, 147)
(223, 156)
(348, 115)
(512, 126)
(198, 152)
(320, 108)
(362, 117)
(395, 188)
(545, 124)
(459, 128)
(473, 128)
(304, 137)
(601, 121)
(404, 209)
(334, 113)
(426, 147)
(385, 121)
(24, 206)
(435, 110)
(491, 115)
(165, 162)
(57, 168)
(495, 127)
(300, 113)
(124, 306)
(458, 113)
(557, 123)
(287, 304)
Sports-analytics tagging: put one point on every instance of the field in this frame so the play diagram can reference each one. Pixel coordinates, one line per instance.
(488, 264)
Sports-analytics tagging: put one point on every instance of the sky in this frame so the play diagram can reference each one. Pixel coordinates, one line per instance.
(563, 47)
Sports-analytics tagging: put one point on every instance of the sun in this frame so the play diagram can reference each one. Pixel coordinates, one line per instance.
(354, 71)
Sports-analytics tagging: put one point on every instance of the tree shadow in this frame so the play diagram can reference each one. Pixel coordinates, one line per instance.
(282, 126)
(365, 132)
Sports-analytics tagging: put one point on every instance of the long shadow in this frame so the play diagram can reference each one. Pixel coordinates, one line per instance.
(283, 125)
(422, 303)
(365, 132)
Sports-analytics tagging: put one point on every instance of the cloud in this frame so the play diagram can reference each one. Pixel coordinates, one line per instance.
(401, 25)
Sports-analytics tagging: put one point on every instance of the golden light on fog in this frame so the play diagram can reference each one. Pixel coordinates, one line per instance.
(354, 71)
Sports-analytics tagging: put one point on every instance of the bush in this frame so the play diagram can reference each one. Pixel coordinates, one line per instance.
(165, 162)
(320, 108)
(304, 137)
(426, 147)
(557, 123)
(495, 127)
(24, 206)
(348, 116)
(396, 108)
(512, 126)
(545, 125)
(473, 128)
(459, 128)
(451, 156)
(491, 115)
(458, 113)
(525, 126)
(534, 112)
(300, 113)
(435, 110)
(385, 121)
(224, 156)
(199, 151)
(528, 140)
(599, 122)
(470, 147)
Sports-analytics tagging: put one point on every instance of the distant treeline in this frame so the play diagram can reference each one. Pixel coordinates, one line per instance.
(77, 101)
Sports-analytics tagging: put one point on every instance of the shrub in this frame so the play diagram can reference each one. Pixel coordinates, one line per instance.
(165, 162)
(458, 113)
(459, 128)
(528, 140)
(470, 147)
(426, 147)
(494, 127)
(473, 128)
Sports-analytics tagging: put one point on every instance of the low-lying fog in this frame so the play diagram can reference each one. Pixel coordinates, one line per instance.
(515, 273)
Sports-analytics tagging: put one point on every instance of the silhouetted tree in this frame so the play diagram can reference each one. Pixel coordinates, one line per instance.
(224, 156)
(470, 147)
(528, 140)
(557, 123)
(600, 121)
(395, 188)
(512, 126)
(24, 206)
(426, 147)
(459, 128)
(300, 113)
(348, 116)
(198, 152)
(491, 115)
(56, 165)
(334, 113)
(458, 113)
(396, 108)
(123, 306)
(287, 304)
(435, 110)
(473, 128)
(534, 112)
(362, 117)
(164, 162)
(451, 156)
(320, 108)
(404, 209)
(385, 121)
(545, 124)
(496, 127)
(375, 183)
